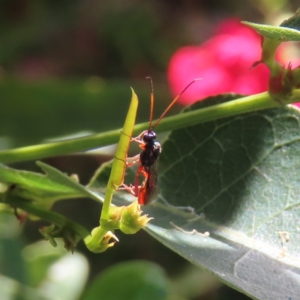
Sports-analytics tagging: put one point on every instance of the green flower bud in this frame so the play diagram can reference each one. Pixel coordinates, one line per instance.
(132, 221)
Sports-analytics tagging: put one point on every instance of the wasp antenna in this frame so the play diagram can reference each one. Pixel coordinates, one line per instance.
(196, 79)
(174, 101)
(151, 101)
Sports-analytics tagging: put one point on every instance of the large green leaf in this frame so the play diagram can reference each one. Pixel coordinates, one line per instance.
(43, 190)
(138, 280)
(241, 177)
(57, 176)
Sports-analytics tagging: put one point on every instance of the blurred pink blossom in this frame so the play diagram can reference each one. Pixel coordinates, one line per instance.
(224, 62)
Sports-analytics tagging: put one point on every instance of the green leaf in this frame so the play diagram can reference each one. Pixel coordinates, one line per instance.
(241, 176)
(278, 33)
(39, 188)
(59, 177)
(24, 186)
(138, 280)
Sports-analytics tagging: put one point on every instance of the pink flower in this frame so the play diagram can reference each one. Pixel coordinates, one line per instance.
(224, 63)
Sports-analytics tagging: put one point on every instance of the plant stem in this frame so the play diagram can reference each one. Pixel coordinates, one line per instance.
(118, 169)
(46, 215)
(93, 241)
(232, 108)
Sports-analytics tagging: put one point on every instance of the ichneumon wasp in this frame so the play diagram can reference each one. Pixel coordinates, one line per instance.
(151, 150)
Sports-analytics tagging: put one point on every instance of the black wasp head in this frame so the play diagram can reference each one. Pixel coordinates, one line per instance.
(149, 136)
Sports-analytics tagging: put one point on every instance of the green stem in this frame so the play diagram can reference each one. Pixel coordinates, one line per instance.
(93, 241)
(100, 240)
(46, 215)
(219, 111)
(118, 169)
(232, 108)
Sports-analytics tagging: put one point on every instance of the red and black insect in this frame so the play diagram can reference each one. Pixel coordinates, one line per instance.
(147, 159)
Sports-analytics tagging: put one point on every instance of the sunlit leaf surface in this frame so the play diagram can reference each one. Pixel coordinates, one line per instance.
(241, 177)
